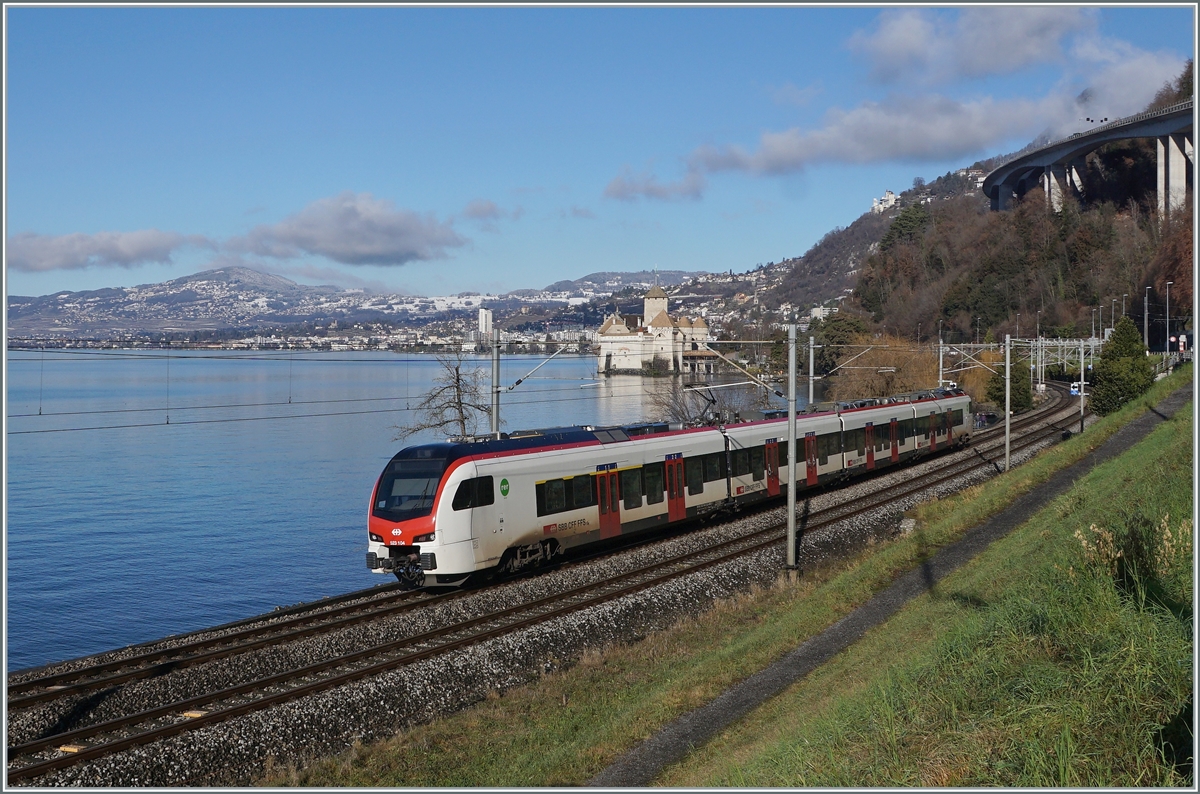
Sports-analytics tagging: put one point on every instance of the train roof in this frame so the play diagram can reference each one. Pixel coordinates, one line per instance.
(580, 435)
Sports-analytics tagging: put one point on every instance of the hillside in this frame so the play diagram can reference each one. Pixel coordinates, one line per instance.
(977, 271)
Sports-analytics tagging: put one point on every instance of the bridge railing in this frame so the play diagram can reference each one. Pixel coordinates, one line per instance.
(1184, 105)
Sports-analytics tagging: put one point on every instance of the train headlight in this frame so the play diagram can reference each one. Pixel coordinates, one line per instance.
(424, 538)
(375, 537)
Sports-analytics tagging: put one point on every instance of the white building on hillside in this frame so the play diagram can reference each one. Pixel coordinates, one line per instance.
(886, 203)
(655, 341)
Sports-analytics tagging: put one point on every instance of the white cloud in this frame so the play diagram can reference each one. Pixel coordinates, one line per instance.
(628, 187)
(40, 252)
(354, 229)
(901, 128)
(924, 45)
(1004, 39)
(900, 44)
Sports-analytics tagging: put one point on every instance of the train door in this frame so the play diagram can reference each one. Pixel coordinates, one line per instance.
(893, 432)
(932, 427)
(608, 496)
(772, 456)
(676, 508)
(810, 458)
(870, 431)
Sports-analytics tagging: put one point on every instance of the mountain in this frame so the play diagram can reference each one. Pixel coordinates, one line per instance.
(238, 297)
(613, 282)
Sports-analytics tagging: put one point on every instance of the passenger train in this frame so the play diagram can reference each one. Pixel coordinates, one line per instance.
(441, 512)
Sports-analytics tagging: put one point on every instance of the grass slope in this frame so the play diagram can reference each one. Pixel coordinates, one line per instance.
(1015, 673)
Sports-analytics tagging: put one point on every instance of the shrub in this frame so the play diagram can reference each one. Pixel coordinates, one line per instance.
(1123, 372)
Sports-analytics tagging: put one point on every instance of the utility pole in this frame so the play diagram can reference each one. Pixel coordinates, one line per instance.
(1007, 396)
(793, 455)
(496, 383)
(811, 373)
(1037, 356)
(1082, 383)
(1146, 320)
(1168, 340)
(941, 371)
(941, 352)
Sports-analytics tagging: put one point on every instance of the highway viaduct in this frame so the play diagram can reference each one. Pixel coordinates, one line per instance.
(1059, 166)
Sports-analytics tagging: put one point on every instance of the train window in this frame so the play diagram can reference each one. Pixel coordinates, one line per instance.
(653, 475)
(556, 496)
(485, 494)
(741, 462)
(757, 462)
(958, 417)
(714, 466)
(882, 437)
(693, 468)
(475, 492)
(827, 445)
(631, 487)
(614, 495)
(906, 430)
(581, 491)
(464, 495)
(783, 450)
(602, 489)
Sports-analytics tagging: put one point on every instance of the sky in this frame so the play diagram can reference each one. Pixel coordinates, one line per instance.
(439, 150)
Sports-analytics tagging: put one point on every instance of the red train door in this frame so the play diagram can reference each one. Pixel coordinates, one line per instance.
(676, 509)
(892, 432)
(608, 496)
(933, 423)
(870, 430)
(772, 456)
(810, 458)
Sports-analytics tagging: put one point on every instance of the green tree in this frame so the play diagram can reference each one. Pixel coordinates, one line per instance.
(1021, 396)
(832, 332)
(1123, 371)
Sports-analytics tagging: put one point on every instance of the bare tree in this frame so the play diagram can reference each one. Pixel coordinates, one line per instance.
(456, 402)
(699, 405)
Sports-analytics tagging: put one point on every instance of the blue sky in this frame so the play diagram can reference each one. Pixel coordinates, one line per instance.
(442, 150)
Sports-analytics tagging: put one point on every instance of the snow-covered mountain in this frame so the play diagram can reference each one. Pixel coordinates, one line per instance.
(238, 297)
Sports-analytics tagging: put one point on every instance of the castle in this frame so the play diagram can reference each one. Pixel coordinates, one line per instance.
(655, 341)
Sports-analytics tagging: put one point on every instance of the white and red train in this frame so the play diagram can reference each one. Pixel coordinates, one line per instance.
(448, 510)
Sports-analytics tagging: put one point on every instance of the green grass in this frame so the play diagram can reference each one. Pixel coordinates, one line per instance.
(1058, 670)
(892, 704)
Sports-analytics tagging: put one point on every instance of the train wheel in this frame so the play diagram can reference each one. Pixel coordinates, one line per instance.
(411, 577)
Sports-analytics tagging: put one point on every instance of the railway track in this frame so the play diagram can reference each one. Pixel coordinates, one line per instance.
(59, 749)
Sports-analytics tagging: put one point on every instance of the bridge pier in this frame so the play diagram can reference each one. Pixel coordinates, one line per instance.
(1175, 152)
(1053, 181)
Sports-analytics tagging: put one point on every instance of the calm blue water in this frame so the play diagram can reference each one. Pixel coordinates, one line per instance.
(127, 534)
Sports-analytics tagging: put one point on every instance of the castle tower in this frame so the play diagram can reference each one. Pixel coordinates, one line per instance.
(654, 303)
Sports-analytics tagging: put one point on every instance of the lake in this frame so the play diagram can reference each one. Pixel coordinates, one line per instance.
(151, 494)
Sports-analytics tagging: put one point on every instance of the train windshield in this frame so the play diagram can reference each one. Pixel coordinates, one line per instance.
(408, 487)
